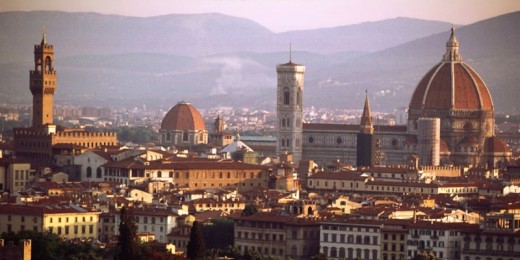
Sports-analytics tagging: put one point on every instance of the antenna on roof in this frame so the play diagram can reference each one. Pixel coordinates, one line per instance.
(290, 52)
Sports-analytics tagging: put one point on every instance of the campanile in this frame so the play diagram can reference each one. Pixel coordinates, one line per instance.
(43, 83)
(289, 109)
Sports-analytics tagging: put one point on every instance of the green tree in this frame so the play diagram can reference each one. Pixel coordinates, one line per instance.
(424, 256)
(249, 210)
(128, 243)
(47, 245)
(219, 234)
(196, 247)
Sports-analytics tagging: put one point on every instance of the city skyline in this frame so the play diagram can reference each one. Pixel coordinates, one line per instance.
(274, 14)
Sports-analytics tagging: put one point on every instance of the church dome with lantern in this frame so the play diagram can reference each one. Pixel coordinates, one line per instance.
(453, 92)
(183, 125)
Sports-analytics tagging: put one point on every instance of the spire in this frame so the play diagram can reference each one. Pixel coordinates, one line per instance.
(452, 48)
(44, 38)
(366, 125)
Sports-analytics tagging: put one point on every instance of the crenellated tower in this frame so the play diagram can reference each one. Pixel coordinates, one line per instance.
(43, 83)
(289, 109)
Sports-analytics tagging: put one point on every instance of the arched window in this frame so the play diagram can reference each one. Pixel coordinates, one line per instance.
(89, 172)
(38, 64)
(333, 252)
(286, 97)
(48, 64)
(350, 253)
(185, 137)
(294, 250)
(99, 173)
(326, 250)
(341, 252)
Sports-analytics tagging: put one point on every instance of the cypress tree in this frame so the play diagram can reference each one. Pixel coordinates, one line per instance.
(128, 243)
(196, 245)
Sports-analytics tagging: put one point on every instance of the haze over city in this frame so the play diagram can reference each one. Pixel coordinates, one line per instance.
(257, 130)
(286, 15)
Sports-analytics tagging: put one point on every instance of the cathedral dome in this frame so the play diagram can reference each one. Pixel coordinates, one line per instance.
(183, 116)
(451, 85)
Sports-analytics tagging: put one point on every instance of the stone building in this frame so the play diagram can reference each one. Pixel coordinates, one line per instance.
(37, 142)
(451, 92)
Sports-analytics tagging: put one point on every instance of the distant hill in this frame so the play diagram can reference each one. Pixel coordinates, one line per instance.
(213, 59)
(368, 36)
(391, 75)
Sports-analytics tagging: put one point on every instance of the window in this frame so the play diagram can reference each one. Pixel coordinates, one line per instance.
(286, 97)
(89, 172)
(98, 173)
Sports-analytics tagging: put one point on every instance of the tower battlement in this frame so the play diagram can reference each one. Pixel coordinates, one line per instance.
(40, 73)
(45, 47)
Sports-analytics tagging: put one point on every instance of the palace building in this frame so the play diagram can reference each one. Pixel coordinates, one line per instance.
(450, 122)
(37, 142)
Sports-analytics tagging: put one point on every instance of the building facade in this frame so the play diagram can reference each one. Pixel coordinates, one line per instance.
(68, 222)
(451, 91)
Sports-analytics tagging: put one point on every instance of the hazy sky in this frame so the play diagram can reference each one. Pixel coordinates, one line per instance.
(283, 15)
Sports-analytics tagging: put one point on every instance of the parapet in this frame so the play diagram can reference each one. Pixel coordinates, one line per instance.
(45, 47)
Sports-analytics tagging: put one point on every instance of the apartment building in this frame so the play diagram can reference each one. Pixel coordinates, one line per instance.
(68, 222)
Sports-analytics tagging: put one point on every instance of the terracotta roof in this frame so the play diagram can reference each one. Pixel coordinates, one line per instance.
(183, 116)
(183, 165)
(38, 210)
(496, 145)
(444, 148)
(337, 176)
(451, 84)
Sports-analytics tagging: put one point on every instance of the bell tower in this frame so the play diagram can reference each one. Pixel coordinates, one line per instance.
(289, 109)
(365, 138)
(43, 83)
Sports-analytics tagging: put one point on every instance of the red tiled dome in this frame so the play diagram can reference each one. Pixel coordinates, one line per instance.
(496, 145)
(451, 84)
(183, 116)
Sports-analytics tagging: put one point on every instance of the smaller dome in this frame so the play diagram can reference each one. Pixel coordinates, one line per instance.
(496, 145)
(183, 116)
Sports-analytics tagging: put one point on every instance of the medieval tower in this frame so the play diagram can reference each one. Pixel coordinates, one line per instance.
(289, 109)
(43, 83)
